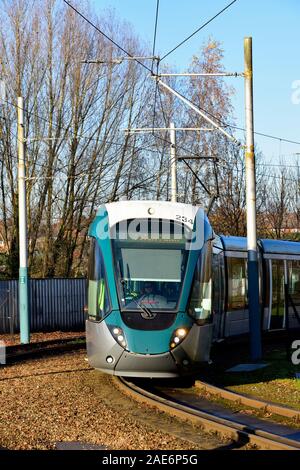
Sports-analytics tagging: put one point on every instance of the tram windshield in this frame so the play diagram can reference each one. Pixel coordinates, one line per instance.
(150, 267)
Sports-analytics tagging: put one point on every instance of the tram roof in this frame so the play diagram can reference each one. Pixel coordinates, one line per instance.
(122, 210)
(234, 243)
(280, 247)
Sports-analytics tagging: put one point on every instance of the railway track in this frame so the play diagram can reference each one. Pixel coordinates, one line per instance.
(266, 407)
(32, 350)
(242, 434)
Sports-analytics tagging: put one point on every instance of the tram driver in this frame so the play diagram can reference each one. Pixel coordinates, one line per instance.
(152, 300)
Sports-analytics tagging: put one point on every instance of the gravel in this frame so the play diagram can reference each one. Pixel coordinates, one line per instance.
(61, 399)
(11, 340)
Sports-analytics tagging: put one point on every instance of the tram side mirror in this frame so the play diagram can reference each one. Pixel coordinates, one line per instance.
(198, 313)
(202, 314)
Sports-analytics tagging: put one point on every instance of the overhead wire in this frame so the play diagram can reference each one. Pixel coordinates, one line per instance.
(160, 138)
(224, 163)
(72, 134)
(198, 29)
(278, 165)
(115, 43)
(183, 159)
(145, 148)
(147, 68)
(82, 174)
(155, 32)
(139, 148)
(157, 61)
(106, 36)
(155, 98)
(281, 139)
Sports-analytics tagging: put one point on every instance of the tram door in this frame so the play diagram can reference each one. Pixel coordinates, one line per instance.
(277, 317)
(218, 294)
(237, 313)
(294, 292)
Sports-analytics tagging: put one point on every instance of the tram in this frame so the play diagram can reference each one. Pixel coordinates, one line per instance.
(162, 286)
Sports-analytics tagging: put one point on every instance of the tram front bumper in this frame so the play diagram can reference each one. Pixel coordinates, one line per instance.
(143, 365)
(106, 355)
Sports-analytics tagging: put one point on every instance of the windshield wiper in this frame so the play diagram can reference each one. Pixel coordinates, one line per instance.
(146, 310)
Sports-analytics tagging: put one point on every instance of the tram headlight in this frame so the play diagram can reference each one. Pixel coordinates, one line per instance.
(178, 336)
(118, 334)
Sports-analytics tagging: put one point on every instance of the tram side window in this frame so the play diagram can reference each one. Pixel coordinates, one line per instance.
(277, 292)
(294, 281)
(237, 283)
(98, 299)
(200, 305)
(218, 287)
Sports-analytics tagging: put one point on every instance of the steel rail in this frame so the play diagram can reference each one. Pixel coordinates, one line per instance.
(267, 407)
(27, 351)
(211, 423)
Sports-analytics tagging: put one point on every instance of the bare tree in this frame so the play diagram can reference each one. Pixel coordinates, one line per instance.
(78, 155)
(278, 203)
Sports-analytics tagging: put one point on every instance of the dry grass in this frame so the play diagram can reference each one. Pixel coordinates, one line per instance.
(11, 340)
(60, 398)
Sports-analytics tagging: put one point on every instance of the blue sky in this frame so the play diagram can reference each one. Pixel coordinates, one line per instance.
(274, 27)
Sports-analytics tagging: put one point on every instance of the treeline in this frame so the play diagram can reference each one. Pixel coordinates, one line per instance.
(78, 154)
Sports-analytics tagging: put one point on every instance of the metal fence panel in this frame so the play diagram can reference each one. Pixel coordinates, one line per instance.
(8, 306)
(55, 304)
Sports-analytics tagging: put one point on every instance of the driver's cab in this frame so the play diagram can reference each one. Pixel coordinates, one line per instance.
(149, 268)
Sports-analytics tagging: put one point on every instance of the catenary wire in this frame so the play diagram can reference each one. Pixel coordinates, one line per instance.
(120, 47)
(90, 138)
(224, 163)
(155, 33)
(197, 30)
(106, 36)
(147, 68)
(184, 160)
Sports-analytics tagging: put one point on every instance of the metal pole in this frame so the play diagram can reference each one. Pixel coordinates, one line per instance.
(253, 281)
(223, 74)
(152, 129)
(117, 60)
(197, 110)
(23, 271)
(173, 163)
